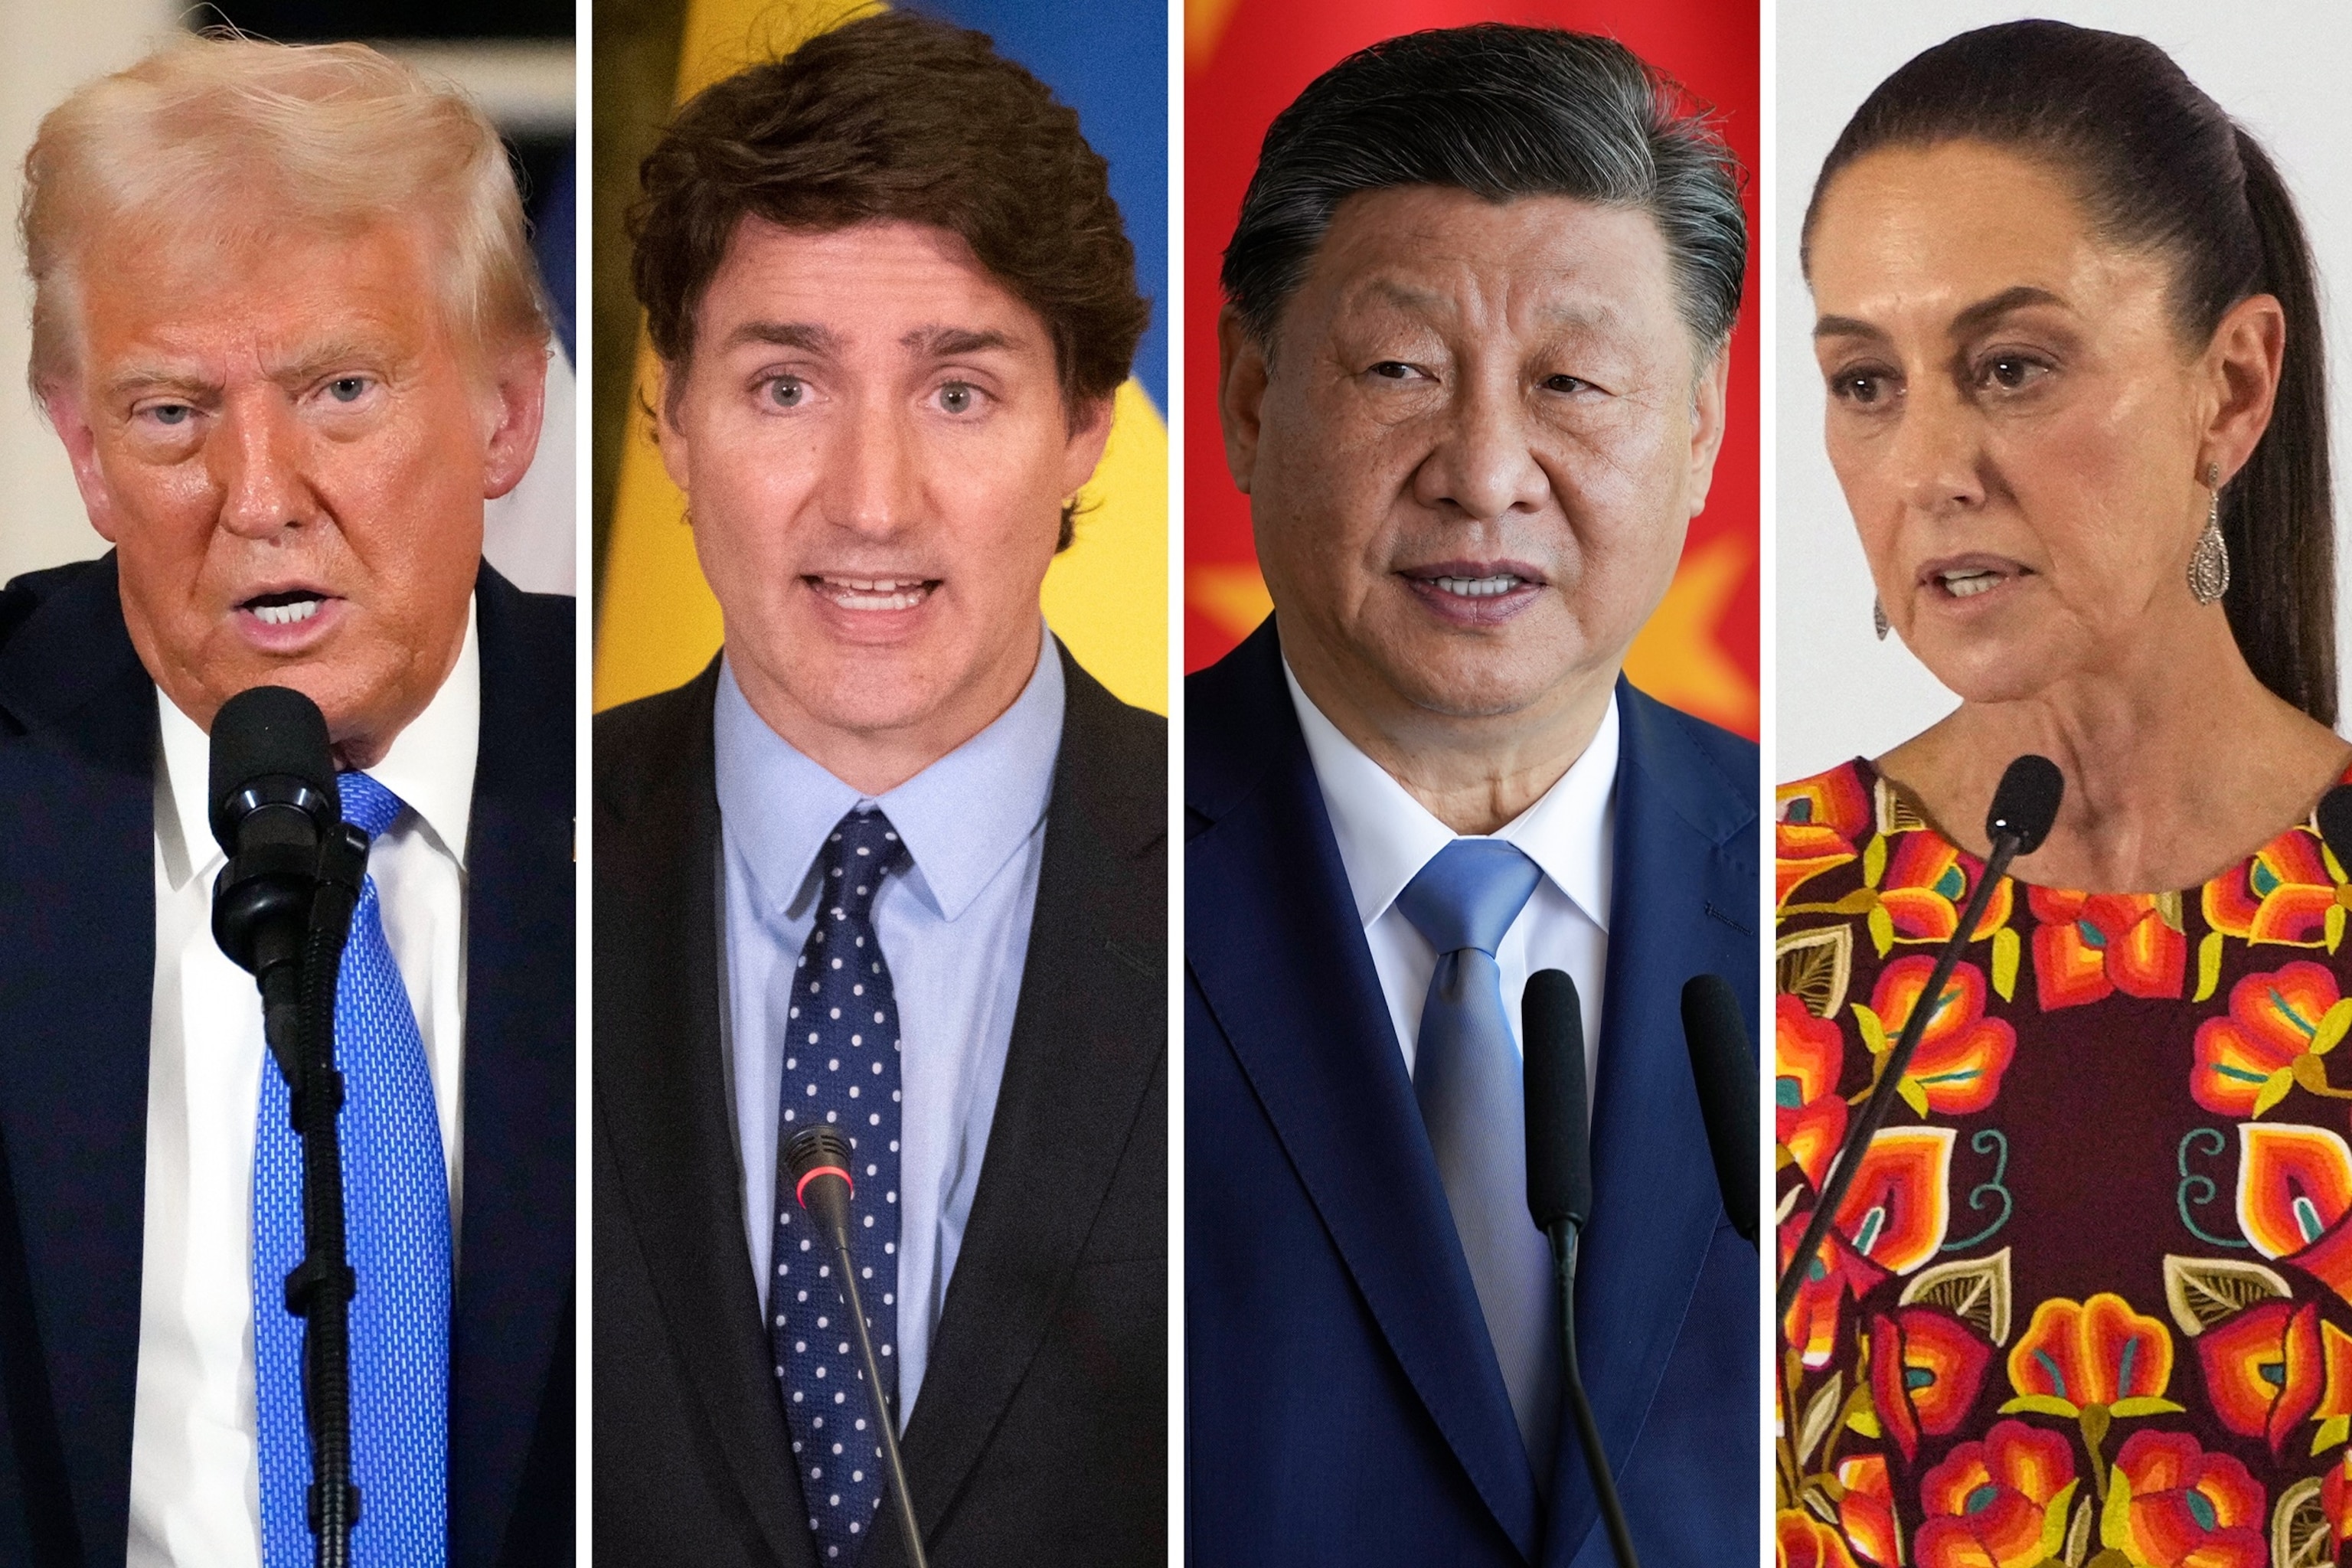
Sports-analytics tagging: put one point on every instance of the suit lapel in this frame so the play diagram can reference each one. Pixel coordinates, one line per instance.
(1086, 1043)
(1272, 940)
(660, 1095)
(515, 1269)
(77, 984)
(1680, 879)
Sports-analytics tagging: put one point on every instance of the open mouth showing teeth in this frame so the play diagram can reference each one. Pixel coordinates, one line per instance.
(1970, 582)
(284, 609)
(1478, 587)
(873, 592)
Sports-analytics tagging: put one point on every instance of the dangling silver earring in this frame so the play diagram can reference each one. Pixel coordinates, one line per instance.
(2209, 564)
(1878, 617)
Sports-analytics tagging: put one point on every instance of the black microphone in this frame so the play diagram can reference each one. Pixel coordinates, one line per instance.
(1724, 1075)
(2336, 823)
(818, 1158)
(1560, 1196)
(273, 803)
(2024, 807)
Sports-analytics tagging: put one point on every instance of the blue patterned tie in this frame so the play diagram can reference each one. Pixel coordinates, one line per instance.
(841, 1066)
(396, 1203)
(1467, 1078)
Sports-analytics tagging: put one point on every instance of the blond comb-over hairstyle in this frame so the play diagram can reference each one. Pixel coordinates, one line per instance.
(225, 139)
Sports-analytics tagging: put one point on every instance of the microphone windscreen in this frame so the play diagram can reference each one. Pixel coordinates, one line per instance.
(1724, 1075)
(262, 732)
(2336, 823)
(816, 1149)
(2026, 802)
(1560, 1157)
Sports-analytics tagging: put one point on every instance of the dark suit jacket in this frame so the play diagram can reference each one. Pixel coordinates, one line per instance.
(78, 745)
(1039, 1434)
(1343, 1404)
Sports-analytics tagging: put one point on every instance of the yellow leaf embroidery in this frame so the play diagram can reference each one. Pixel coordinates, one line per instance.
(2209, 965)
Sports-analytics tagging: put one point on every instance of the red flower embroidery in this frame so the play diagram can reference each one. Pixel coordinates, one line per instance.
(2286, 894)
(1820, 821)
(2280, 1025)
(1957, 1066)
(1810, 1112)
(1927, 1368)
(1998, 1503)
(1866, 1513)
(2185, 1508)
(1800, 1541)
(2091, 945)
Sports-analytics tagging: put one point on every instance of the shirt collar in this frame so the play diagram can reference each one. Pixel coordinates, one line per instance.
(430, 766)
(961, 818)
(1386, 835)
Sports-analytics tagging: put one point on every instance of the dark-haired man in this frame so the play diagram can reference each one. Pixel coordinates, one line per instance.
(894, 863)
(1473, 381)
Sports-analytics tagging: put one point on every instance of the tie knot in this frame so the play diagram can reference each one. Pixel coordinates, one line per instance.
(1469, 893)
(367, 805)
(862, 846)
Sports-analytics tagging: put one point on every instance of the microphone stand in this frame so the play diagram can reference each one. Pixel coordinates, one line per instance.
(319, 1289)
(2005, 844)
(1563, 1235)
(820, 1156)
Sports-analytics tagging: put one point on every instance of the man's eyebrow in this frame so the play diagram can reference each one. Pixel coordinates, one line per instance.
(953, 342)
(153, 377)
(313, 362)
(1972, 319)
(806, 336)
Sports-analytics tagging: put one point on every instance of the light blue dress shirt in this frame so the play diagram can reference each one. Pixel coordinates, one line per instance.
(954, 928)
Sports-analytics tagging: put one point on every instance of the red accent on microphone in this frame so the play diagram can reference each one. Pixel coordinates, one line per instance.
(801, 1187)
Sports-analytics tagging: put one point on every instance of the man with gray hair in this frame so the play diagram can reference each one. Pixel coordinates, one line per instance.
(1472, 378)
(286, 327)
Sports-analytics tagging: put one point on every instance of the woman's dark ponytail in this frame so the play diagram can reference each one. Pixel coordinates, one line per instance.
(2278, 515)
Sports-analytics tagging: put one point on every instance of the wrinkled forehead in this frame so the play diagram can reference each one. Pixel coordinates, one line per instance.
(198, 286)
(1527, 269)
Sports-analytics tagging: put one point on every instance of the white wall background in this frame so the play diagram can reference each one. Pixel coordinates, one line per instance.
(2280, 67)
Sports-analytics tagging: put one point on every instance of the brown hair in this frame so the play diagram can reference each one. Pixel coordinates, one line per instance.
(2160, 165)
(896, 117)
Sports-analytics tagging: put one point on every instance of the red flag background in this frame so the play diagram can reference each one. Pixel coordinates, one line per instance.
(1245, 60)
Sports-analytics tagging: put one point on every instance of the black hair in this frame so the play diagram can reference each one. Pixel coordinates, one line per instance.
(2159, 166)
(1501, 111)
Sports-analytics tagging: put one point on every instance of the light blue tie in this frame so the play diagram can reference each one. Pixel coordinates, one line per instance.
(396, 1201)
(1467, 1078)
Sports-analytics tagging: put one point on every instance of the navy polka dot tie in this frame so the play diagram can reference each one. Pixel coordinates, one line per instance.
(396, 1236)
(841, 1066)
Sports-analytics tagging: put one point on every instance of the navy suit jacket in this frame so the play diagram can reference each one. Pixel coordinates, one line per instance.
(1343, 1402)
(78, 770)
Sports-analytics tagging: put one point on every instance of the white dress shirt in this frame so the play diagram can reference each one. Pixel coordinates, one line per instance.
(195, 1484)
(1386, 836)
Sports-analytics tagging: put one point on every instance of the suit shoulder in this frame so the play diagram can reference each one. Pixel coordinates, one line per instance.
(25, 595)
(652, 735)
(1736, 756)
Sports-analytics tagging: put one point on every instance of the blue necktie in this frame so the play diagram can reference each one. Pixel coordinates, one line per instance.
(841, 1066)
(1467, 1078)
(397, 1206)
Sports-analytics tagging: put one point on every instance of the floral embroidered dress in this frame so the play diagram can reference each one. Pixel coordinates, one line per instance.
(2089, 1298)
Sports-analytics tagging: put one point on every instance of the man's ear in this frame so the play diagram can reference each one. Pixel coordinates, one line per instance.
(661, 393)
(1709, 392)
(1240, 393)
(1088, 436)
(70, 419)
(519, 388)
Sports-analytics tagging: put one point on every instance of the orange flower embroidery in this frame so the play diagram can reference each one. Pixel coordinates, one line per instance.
(2092, 945)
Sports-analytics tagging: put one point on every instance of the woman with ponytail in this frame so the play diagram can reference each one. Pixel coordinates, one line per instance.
(2089, 1295)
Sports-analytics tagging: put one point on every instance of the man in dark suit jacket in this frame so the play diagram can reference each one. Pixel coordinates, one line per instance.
(289, 434)
(880, 392)
(1475, 392)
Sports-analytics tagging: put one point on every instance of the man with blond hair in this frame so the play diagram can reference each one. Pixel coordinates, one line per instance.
(286, 327)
